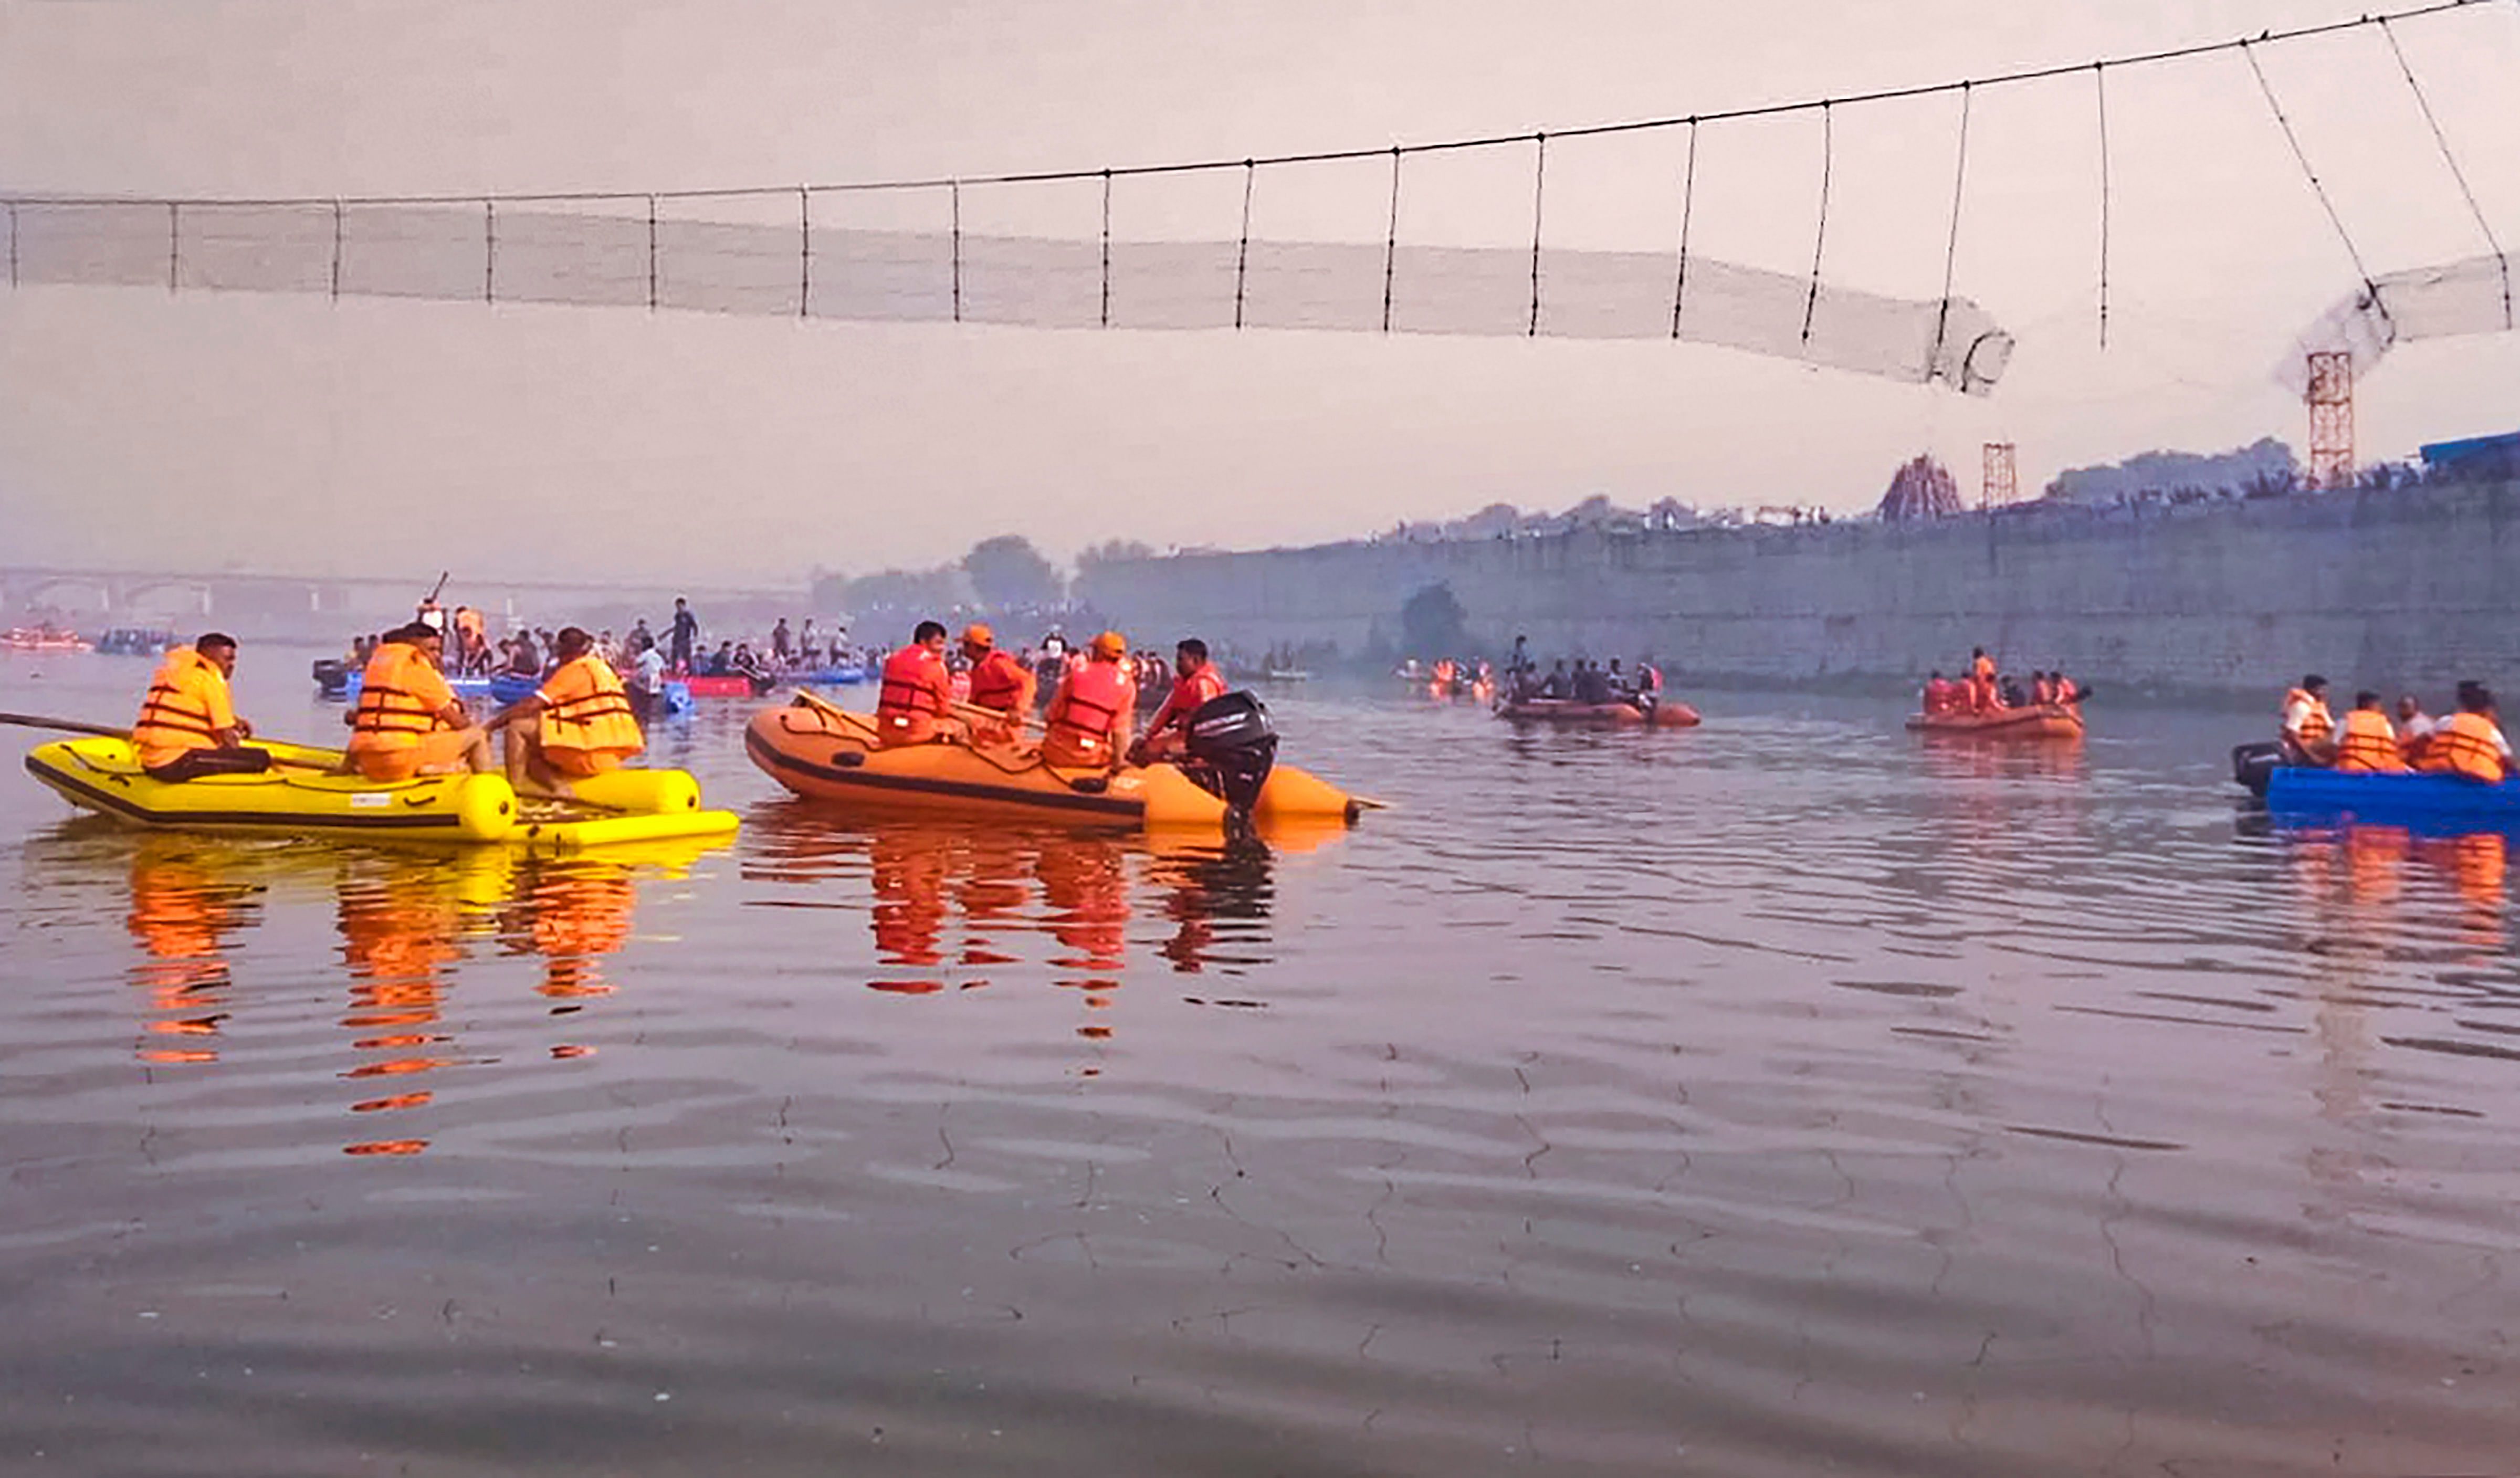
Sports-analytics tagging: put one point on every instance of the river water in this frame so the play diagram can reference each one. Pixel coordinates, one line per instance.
(1786, 1095)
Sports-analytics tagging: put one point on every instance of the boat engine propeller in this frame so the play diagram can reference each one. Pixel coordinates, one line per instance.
(1232, 746)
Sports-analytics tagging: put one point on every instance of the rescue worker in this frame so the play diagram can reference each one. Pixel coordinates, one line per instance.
(1195, 683)
(1089, 712)
(188, 725)
(2366, 743)
(2469, 742)
(579, 723)
(1983, 697)
(918, 692)
(1937, 697)
(407, 721)
(2307, 724)
(1001, 683)
(2041, 692)
(2414, 726)
(2067, 691)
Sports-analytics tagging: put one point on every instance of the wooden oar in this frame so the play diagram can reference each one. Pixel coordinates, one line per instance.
(106, 731)
(65, 726)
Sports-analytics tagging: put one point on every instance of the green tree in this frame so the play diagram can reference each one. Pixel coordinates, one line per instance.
(1007, 572)
(1432, 623)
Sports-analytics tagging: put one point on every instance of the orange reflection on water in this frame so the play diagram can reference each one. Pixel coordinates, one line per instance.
(185, 913)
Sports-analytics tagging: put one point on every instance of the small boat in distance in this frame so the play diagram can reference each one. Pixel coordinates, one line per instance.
(2031, 721)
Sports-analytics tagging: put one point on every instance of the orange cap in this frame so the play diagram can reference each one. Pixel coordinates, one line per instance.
(1112, 644)
(980, 636)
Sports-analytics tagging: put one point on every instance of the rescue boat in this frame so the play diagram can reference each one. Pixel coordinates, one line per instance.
(1666, 713)
(2410, 795)
(726, 684)
(2033, 721)
(828, 753)
(297, 794)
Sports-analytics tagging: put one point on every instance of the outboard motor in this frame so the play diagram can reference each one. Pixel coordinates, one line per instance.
(1231, 745)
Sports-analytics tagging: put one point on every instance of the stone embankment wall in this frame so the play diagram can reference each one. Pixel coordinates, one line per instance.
(2409, 588)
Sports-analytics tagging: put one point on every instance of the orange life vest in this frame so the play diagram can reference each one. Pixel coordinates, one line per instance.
(1000, 682)
(1204, 684)
(2368, 743)
(2464, 744)
(584, 708)
(916, 691)
(2319, 724)
(1090, 715)
(186, 707)
(395, 708)
(2067, 691)
(2041, 692)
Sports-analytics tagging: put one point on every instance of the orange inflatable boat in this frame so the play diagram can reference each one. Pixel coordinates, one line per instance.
(2030, 721)
(1666, 714)
(828, 753)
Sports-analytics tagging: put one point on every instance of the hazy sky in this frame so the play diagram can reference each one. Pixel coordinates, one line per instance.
(286, 432)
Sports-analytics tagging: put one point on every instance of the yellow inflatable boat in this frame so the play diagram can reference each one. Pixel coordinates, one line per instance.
(828, 753)
(298, 796)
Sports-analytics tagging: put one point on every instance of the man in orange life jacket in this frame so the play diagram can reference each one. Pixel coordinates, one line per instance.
(1000, 684)
(918, 692)
(2307, 724)
(578, 724)
(2469, 742)
(407, 721)
(1089, 713)
(1198, 682)
(2365, 742)
(188, 725)
(1983, 697)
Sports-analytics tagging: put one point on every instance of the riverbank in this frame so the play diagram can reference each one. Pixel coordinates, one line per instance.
(2408, 588)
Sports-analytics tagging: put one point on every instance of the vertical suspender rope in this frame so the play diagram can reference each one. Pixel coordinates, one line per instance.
(1539, 181)
(1688, 204)
(1951, 246)
(1820, 237)
(174, 243)
(1391, 240)
(336, 251)
(489, 252)
(13, 246)
(1106, 248)
(2371, 288)
(2501, 261)
(1242, 252)
(651, 254)
(955, 190)
(804, 252)
(2100, 97)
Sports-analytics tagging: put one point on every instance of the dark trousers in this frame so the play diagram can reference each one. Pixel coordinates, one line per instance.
(192, 764)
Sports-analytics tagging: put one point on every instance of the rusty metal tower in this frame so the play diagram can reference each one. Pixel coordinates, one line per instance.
(2332, 419)
(1999, 489)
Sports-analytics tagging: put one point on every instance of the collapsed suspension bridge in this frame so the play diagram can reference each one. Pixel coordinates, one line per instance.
(660, 249)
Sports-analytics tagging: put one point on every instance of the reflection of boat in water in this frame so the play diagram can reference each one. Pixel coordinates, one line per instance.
(408, 923)
(953, 903)
(2031, 721)
(828, 753)
(1666, 713)
(101, 775)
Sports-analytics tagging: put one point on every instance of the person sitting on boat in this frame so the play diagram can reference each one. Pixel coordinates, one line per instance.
(2307, 724)
(1648, 678)
(2469, 742)
(524, 660)
(1939, 695)
(918, 693)
(407, 721)
(577, 723)
(2067, 694)
(1557, 685)
(2414, 726)
(1089, 713)
(1001, 683)
(747, 664)
(2041, 692)
(1590, 685)
(2366, 743)
(188, 725)
(1197, 682)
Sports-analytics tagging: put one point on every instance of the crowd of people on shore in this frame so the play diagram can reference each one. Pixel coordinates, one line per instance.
(2468, 741)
